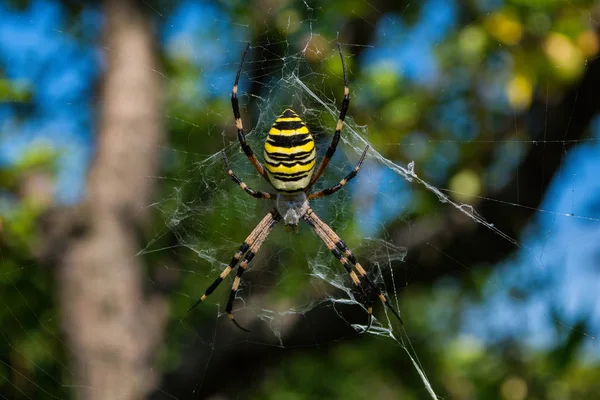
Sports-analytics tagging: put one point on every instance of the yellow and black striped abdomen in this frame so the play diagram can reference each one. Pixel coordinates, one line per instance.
(289, 153)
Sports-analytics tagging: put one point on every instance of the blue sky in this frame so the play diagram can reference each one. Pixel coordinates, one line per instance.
(558, 263)
(61, 71)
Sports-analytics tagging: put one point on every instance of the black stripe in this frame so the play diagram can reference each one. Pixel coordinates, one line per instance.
(230, 301)
(286, 143)
(290, 164)
(288, 114)
(288, 125)
(235, 106)
(235, 179)
(345, 104)
(342, 246)
(336, 253)
(282, 156)
(245, 246)
(308, 221)
(249, 257)
(214, 285)
(348, 268)
(292, 160)
(235, 259)
(291, 190)
(289, 140)
(352, 258)
(334, 143)
(245, 147)
(283, 179)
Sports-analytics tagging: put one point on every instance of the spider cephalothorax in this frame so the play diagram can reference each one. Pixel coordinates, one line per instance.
(290, 159)
(292, 207)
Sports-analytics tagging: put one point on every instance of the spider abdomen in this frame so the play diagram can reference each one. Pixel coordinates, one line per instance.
(289, 153)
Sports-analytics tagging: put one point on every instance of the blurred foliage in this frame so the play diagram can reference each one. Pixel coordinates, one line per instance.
(12, 91)
(494, 65)
(32, 353)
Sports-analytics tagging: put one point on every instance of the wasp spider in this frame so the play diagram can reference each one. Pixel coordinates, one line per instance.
(289, 168)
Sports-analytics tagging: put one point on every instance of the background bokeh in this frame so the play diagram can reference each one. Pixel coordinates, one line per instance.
(116, 212)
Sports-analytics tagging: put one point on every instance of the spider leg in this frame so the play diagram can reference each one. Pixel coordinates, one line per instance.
(250, 240)
(236, 179)
(313, 223)
(238, 121)
(341, 247)
(338, 128)
(275, 218)
(343, 182)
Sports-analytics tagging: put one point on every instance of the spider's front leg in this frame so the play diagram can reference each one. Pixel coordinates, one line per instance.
(238, 120)
(338, 128)
(236, 179)
(343, 182)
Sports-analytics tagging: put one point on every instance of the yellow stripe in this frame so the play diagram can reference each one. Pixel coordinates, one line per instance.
(291, 170)
(288, 132)
(269, 148)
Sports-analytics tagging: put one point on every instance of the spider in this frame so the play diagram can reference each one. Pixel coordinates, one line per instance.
(289, 168)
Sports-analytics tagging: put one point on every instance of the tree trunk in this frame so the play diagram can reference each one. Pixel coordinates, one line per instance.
(112, 328)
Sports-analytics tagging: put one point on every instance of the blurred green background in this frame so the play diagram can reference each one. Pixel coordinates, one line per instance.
(116, 211)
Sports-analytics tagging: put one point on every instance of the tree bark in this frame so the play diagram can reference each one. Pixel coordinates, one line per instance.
(111, 326)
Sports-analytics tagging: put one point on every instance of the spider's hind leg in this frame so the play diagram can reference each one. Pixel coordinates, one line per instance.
(275, 218)
(363, 274)
(238, 120)
(341, 248)
(310, 219)
(250, 246)
(338, 128)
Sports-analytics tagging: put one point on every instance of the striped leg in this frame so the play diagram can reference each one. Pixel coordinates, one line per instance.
(236, 179)
(338, 128)
(341, 246)
(343, 182)
(309, 218)
(250, 240)
(238, 120)
(242, 267)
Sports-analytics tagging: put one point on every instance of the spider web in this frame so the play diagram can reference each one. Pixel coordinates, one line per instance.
(295, 296)
(329, 283)
(202, 191)
(296, 72)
